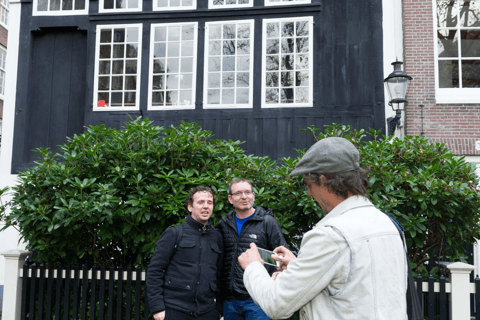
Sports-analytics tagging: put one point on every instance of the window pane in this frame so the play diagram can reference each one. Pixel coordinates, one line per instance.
(447, 13)
(108, 4)
(470, 43)
(79, 4)
(117, 83)
(54, 5)
(130, 83)
(447, 43)
(67, 5)
(471, 73)
(104, 67)
(172, 98)
(42, 5)
(271, 96)
(119, 51)
(469, 13)
(448, 74)
(158, 98)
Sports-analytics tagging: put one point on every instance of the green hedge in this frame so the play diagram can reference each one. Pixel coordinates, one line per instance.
(109, 194)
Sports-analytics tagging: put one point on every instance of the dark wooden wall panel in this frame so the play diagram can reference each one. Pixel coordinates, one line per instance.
(52, 101)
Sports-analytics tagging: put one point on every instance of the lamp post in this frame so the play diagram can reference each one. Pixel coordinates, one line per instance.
(397, 84)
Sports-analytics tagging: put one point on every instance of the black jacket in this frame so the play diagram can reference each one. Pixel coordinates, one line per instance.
(186, 278)
(261, 228)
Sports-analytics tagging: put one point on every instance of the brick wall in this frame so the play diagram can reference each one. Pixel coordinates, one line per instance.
(3, 36)
(456, 125)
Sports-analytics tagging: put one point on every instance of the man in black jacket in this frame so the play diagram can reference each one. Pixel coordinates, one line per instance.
(239, 228)
(182, 277)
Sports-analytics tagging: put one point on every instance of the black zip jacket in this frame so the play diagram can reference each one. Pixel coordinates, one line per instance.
(261, 228)
(186, 279)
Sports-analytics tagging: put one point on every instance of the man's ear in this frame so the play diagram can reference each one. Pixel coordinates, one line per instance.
(230, 198)
(190, 208)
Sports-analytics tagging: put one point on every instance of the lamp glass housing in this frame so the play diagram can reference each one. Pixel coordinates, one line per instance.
(397, 85)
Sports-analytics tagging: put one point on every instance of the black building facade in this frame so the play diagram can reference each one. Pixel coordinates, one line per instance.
(251, 70)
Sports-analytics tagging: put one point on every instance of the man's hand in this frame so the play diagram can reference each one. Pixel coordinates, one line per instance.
(284, 256)
(249, 256)
(159, 316)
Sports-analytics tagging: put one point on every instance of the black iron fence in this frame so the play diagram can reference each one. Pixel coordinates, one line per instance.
(83, 293)
(65, 292)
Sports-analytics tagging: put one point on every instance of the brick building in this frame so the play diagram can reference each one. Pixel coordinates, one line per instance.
(442, 54)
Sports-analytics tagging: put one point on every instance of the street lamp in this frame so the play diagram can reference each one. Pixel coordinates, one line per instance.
(397, 84)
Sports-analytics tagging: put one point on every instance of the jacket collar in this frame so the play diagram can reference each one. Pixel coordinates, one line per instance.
(348, 204)
(197, 225)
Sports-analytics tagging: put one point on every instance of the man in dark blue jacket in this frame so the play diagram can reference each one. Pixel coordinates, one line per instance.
(240, 227)
(182, 278)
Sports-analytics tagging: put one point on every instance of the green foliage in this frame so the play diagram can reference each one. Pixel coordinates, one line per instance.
(108, 196)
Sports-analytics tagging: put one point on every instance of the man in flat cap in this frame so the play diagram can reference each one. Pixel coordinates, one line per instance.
(351, 265)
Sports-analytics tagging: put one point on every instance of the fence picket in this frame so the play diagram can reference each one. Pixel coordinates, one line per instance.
(41, 291)
(76, 287)
(83, 311)
(477, 298)
(101, 307)
(58, 291)
(443, 299)
(119, 292)
(93, 293)
(33, 277)
(66, 296)
(128, 307)
(50, 292)
(138, 291)
(111, 281)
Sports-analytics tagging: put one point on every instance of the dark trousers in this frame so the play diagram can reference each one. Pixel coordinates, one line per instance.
(171, 314)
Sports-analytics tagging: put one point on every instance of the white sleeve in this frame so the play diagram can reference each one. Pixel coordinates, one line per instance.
(323, 256)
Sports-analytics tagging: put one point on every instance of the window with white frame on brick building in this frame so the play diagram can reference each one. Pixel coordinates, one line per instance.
(4, 9)
(457, 51)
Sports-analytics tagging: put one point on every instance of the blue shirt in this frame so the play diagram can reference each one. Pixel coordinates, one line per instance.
(240, 222)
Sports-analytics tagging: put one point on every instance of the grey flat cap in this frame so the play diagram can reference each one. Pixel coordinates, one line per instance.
(329, 155)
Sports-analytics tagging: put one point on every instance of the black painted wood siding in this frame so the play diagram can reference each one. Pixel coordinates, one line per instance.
(347, 81)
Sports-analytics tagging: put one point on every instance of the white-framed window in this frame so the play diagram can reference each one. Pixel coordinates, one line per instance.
(117, 67)
(119, 6)
(229, 4)
(286, 2)
(60, 7)
(287, 62)
(228, 73)
(4, 9)
(457, 52)
(170, 5)
(3, 59)
(172, 66)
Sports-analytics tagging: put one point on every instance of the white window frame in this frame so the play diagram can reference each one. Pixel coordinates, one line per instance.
(3, 66)
(102, 10)
(248, 105)
(211, 5)
(4, 12)
(310, 61)
(451, 95)
(269, 3)
(174, 8)
(60, 12)
(190, 106)
(138, 74)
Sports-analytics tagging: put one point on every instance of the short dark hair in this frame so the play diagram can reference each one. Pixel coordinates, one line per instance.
(354, 182)
(238, 180)
(198, 189)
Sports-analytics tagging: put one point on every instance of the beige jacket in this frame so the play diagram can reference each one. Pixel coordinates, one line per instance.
(351, 265)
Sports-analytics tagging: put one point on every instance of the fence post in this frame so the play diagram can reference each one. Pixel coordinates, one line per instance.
(12, 289)
(460, 297)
